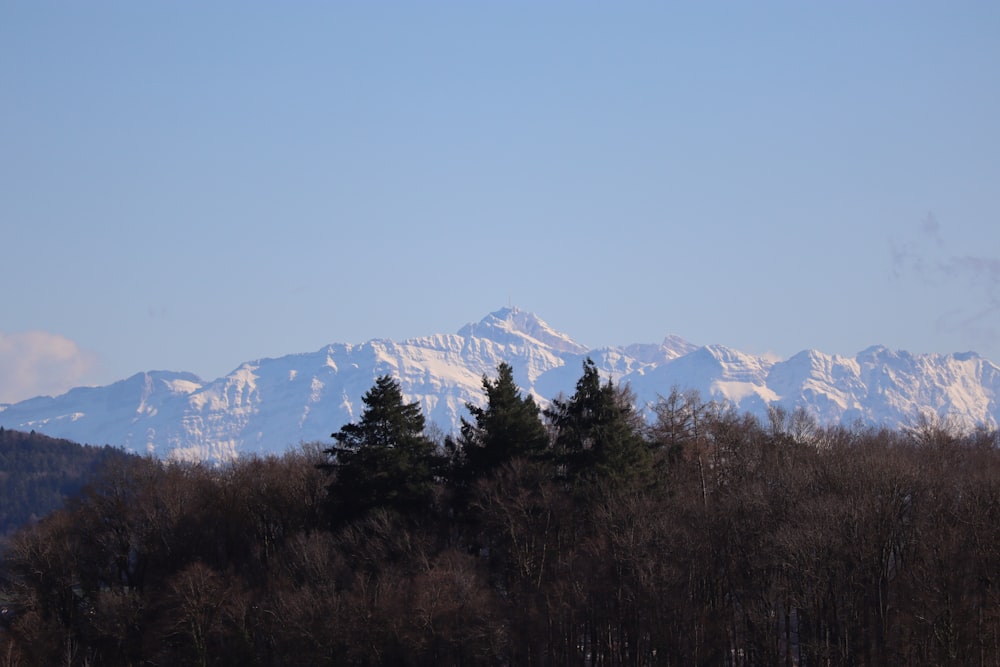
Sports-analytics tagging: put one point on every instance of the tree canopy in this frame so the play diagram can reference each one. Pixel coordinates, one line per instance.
(384, 459)
(597, 431)
(508, 427)
(778, 543)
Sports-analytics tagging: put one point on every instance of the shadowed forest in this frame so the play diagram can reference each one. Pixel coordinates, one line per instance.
(37, 474)
(580, 534)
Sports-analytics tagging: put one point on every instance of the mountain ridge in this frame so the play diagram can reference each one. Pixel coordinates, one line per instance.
(268, 404)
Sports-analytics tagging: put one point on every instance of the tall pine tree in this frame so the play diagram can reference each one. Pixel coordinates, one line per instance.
(508, 427)
(383, 460)
(596, 438)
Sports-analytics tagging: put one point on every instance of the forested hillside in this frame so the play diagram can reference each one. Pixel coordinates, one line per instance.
(577, 535)
(38, 473)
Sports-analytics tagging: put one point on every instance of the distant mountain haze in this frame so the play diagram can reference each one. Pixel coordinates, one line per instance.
(268, 405)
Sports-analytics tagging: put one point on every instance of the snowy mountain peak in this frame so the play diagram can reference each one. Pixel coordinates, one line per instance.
(507, 325)
(678, 346)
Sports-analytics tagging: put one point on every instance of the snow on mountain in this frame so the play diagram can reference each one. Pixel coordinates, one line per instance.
(268, 405)
(830, 386)
(517, 327)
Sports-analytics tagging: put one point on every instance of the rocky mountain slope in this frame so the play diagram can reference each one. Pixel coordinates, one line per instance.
(268, 405)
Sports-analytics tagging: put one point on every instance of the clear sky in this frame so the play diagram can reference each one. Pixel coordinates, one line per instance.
(188, 186)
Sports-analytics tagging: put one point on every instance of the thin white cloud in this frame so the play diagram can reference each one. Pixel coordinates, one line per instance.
(928, 257)
(36, 363)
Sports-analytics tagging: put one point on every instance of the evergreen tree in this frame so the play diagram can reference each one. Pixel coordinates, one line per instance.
(508, 427)
(385, 459)
(596, 433)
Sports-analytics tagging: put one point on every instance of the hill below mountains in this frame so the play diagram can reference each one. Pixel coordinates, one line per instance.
(267, 405)
(38, 474)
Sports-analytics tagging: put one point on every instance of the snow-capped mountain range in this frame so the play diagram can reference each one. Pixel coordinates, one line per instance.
(268, 405)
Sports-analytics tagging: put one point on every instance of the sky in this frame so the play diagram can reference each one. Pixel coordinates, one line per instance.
(188, 186)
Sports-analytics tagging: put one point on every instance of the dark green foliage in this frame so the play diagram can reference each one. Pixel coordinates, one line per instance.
(508, 427)
(383, 460)
(38, 474)
(597, 436)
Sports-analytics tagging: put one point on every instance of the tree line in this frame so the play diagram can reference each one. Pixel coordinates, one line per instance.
(575, 535)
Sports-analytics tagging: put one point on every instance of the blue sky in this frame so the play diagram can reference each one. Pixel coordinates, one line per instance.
(188, 186)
